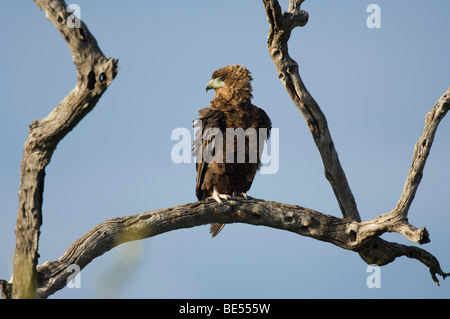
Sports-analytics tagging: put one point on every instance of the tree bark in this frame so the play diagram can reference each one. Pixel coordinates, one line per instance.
(342, 232)
(281, 26)
(95, 72)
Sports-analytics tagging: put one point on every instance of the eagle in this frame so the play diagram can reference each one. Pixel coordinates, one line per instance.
(230, 139)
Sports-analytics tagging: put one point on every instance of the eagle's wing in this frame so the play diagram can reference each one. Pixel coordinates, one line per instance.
(264, 121)
(259, 120)
(205, 139)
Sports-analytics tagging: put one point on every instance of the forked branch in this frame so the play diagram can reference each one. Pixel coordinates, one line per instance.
(344, 233)
(95, 72)
(281, 26)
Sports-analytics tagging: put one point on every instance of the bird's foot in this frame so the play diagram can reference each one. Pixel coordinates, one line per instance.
(217, 197)
(236, 194)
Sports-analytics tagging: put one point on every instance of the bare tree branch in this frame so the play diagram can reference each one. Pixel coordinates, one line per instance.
(380, 252)
(95, 72)
(345, 233)
(281, 26)
(421, 152)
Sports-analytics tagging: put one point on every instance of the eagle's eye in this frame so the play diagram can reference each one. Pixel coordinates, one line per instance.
(222, 79)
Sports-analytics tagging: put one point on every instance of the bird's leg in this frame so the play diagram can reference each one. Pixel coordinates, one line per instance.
(216, 196)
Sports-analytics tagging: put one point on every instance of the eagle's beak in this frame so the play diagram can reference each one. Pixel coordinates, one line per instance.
(209, 86)
(215, 84)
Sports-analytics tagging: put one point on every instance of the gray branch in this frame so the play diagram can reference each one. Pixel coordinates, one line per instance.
(95, 72)
(281, 26)
(345, 233)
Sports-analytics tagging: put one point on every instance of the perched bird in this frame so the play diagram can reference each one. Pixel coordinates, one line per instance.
(226, 165)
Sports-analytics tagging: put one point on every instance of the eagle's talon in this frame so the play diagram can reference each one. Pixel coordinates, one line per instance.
(217, 197)
(236, 194)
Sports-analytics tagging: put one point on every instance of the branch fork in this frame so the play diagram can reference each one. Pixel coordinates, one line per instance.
(364, 235)
(95, 72)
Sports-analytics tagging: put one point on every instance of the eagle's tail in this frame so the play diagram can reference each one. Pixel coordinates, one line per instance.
(216, 228)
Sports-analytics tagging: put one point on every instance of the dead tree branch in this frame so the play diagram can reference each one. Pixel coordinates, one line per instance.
(281, 26)
(345, 233)
(95, 72)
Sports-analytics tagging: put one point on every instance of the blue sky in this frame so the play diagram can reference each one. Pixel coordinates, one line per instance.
(375, 87)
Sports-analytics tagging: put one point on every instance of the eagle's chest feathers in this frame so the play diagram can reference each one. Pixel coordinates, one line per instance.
(239, 119)
(237, 113)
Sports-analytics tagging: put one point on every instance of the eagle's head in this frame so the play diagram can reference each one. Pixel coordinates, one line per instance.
(232, 84)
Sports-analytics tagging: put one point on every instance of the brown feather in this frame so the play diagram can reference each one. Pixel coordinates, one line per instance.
(231, 108)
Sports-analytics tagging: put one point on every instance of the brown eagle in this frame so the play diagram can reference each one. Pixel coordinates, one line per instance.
(230, 139)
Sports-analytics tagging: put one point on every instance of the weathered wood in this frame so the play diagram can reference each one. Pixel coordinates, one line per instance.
(95, 72)
(345, 233)
(281, 25)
